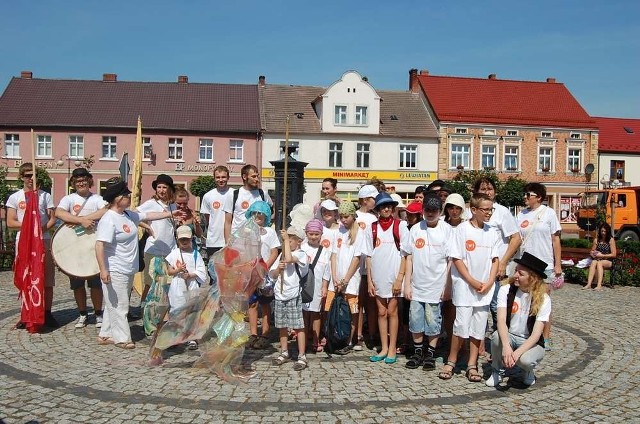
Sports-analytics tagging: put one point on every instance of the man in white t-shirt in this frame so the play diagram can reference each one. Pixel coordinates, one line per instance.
(83, 209)
(236, 205)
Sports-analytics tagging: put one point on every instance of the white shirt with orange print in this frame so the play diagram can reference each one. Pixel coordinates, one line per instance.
(345, 252)
(476, 247)
(429, 250)
(245, 199)
(321, 271)
(537, 228)
(364, 221)
(212, 204)
(76, 205)
(520, 310)
(385, 258)
(119, 232)
(45, 202)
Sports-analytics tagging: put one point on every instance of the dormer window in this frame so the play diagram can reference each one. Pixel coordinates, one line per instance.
(340, 115)
(361, 115)
(546, 134)
(461, 131)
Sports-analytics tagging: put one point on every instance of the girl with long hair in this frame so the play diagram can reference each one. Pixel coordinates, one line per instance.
(603, 252)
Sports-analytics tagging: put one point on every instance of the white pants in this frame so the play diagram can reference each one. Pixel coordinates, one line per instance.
(116, 307)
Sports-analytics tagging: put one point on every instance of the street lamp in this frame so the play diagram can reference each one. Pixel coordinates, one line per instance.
(60, 162)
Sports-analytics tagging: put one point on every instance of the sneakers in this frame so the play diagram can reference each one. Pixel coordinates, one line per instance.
(529, 378)
(345, 350)
(416, 360)
(82, 321)
(360, 345)
(98, 321)
(494, 379)
(547, 345)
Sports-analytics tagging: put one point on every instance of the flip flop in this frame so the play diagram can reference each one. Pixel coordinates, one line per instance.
(105, 340)
(126, 345)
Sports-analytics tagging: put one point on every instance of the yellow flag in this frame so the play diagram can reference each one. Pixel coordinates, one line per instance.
(136, 193)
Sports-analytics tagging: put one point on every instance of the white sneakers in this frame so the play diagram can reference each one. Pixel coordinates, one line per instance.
(82, 321)
(529, 378)
(494, 379)
(99, 321)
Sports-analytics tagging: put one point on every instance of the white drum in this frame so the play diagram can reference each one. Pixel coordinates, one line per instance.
(75, 254)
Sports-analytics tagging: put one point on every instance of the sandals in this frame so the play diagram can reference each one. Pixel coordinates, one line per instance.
(300, 364)
(281, 359)
(125, 345)
(472, 374)
(105, 340)
(447, 374)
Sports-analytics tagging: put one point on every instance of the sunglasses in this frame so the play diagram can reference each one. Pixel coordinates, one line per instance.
(530, 194)
(27, 176)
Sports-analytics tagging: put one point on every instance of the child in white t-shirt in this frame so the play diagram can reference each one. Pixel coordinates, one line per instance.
(288, 304)
(475, 264)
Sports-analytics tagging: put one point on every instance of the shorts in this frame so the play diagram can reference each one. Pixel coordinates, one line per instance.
(471, 321)
(262, 300)
(425, 318)
(288, 313)
(351, 299)
(92, 282)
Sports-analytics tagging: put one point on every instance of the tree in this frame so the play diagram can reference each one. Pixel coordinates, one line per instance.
(202, 185)
(510, 194)
(4, 187)
(43, 179)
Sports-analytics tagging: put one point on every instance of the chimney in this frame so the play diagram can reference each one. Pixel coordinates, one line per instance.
(26, 74)
(183, 79)
(551, 80)
(262, 81)
(424, 72)
(492, 76)
(413, 80)
(109, 77)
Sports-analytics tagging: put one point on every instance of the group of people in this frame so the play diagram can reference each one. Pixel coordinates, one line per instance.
(417, 272)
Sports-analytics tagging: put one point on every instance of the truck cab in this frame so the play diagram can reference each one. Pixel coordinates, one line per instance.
(619, 205)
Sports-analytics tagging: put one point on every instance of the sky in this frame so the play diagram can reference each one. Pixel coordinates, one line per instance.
(593, 47)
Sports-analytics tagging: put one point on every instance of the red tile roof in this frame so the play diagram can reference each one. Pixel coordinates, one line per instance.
(495, 101)
(162, 105)
(613, 137)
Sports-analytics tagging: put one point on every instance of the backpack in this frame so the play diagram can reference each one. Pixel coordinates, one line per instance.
(236, 192)
(396, 232)
(337, 327)
(308, 282)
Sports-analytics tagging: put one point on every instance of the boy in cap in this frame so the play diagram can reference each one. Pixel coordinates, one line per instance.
(427, 252)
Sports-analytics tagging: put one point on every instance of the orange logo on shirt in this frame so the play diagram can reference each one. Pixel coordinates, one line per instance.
(362, 225)
(22, 205)
(420, 243)
(524, 224)
(470, 245)
(216, 205)
(339, 243)
(326, 243)
(244, 205)
(77, 208)
(126, 228)
(514, 308)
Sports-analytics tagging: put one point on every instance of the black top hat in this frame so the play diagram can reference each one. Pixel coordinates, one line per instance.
(115, 187)
(163, 179)
(81, 172)
(536, 265)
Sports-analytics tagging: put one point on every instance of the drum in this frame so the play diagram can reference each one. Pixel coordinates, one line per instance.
(75, 254)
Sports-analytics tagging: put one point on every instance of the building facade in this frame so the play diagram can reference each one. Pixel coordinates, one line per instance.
(619, 151)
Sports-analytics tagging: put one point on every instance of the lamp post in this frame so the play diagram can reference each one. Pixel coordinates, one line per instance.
(60, 162)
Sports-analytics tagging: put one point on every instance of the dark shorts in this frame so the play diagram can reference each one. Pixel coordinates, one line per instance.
(262, 300)
(92, 282)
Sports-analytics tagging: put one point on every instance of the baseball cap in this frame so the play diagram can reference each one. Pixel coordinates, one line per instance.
(295, 231)
(414, 207)
(329, 205)
(184, 231)
(367, 191)
(432, 202)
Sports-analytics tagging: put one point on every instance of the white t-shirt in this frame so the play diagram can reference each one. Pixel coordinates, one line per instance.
(268, 240)
(75, 204)
(291, 287)
(505, 224)
(537, 228)
(178, 288)
(520, 310)
(45, 202)
(321, 271)
(385, 257)
(119, 232)
(212, 204)
(345, 253)
(476, 247)
(163, 240)
(364, 221)
(429, 250)
(245, 199)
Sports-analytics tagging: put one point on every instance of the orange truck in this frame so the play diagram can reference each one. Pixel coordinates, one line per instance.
(620, 206)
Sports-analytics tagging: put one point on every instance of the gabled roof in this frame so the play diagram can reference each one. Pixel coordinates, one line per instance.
(495, 101)
(278, 101)
(162, 105)
(614, 135)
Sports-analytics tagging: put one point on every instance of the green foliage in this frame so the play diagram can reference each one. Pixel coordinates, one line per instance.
(201, 185)
(574, 242)
(576, 275)
(509, 192)
(627, 266)
(44, 180)
(4, 187)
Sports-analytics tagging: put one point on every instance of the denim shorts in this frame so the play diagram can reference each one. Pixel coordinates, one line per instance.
(425, 318)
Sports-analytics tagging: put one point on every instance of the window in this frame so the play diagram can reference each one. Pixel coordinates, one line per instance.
(43, 148)
(362, 155)
(294, 149)
(175, 148)
(573, 160)
(461, 131)
(12, 145)
(335, 155)
(206, 150)
(341, 115)
(147, 148)
(489, 131)
(76, 146)
(460, 155)
(616, 171)
(545, 159)
(489, 157)
(546, 134)
(361, 115)
(108, 147)
(408, 156)
(236, 151)
(511, 158)
(512, 133)
(575, 136)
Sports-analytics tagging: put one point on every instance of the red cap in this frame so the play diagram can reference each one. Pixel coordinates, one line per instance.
(414, 207)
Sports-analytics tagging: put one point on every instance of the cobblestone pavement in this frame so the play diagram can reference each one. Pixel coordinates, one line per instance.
(592, 374)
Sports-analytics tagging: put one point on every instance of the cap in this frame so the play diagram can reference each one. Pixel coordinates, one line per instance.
(396, 197)
(432, 203)
(329, 205)
(261, 207)
(184, 231)
(414, 207)
(533, 263)
(346, 208)
(114, 187)
(314, 225)
(163, 179)
(456, 200)
(384, 198)
(367, 191)
(80, 172)
(295, 231)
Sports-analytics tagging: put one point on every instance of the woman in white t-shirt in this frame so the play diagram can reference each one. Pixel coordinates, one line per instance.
(523, 310)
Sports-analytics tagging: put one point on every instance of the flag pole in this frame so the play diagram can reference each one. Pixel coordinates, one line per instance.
(33, 160)
(284, 188)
